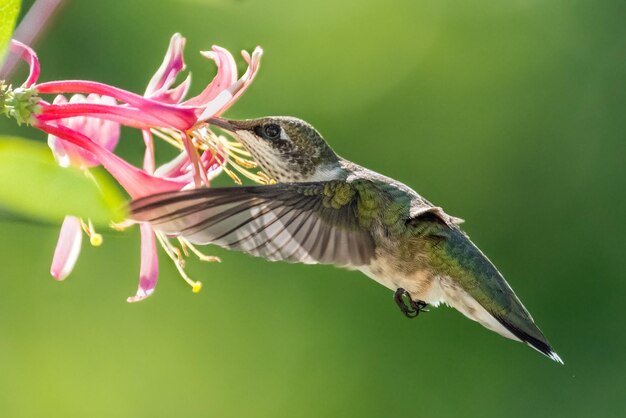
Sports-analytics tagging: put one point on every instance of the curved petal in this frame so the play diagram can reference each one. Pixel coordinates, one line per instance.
(254, 64)
(173, 95)
(68, 248)
(172, 64)
(177, 166)
(180, 168)
(102, 131)
(199, 175)
(148, 156)
(57, 145)
(213, 164)
(227, 97)
(122, 114)
(225, 77)
(28, 55)
(168, 115)
(136, 182)
(149, 270)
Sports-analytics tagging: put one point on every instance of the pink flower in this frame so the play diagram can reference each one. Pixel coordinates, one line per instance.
(68, 248)
(179, 121)
(84, 131)
(104, 132)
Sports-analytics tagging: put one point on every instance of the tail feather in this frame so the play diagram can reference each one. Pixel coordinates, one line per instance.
(538, 344)
(475, 276)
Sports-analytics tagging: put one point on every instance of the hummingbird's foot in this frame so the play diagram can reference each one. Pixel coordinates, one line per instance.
(414, 307)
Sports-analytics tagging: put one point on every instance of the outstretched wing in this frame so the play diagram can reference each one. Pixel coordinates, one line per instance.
(300, 222)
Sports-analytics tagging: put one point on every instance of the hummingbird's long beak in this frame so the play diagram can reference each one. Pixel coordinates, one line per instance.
(223, 123)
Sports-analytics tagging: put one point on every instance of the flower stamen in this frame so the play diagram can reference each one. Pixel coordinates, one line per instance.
(95, 239)
(234, 155)
(201, 256)
(232, 175)
(121, 226)
(247, 164)
(169, 137)
(174, 254)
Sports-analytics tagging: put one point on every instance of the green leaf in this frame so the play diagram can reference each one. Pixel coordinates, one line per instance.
(33, 185)
(9, 9)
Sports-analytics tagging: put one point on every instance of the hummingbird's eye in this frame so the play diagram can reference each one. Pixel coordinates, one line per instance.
(271, 130)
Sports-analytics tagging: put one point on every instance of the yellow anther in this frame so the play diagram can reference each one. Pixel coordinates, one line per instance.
(233, 176)
(95, 240)
(244, 162)
(264, 178)
(176, 255)
(196, 287)
(236, 144)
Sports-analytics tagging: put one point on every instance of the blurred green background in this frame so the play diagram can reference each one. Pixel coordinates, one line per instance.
(508, 114)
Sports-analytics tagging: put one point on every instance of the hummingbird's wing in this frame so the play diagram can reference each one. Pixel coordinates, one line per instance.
(300, 222)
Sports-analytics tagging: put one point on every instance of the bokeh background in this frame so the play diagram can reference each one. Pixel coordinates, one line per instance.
(508, 114)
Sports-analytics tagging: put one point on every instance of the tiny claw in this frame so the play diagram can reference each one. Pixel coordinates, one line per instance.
(414, 306)
(418, 305)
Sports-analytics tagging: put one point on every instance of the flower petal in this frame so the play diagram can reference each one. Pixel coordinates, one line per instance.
(228, 97)
(136, 182)
(225, 77)
(213, 164)
(122, 114)
(199, 175)
(149, 270)
(148, 157)
(254, 63)
(57, 145)
(174, 95)
(68, 248)
(149, 113)
(28, 55)
(177, 166)
(172, 64)
(104, 132)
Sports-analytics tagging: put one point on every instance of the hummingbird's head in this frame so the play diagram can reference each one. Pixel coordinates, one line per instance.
(288, 149)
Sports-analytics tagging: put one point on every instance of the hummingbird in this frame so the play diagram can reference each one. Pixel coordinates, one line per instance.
(324, 209)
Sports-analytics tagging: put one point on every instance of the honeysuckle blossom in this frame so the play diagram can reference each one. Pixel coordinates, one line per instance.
(84, 130)
(104, 132)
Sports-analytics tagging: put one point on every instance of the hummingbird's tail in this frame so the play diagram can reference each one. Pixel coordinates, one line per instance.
(477, 289)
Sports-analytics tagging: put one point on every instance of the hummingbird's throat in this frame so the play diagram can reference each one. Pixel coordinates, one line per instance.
(273, 159)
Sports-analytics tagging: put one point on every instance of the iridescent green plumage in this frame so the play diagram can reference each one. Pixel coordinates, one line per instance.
(326, 209)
